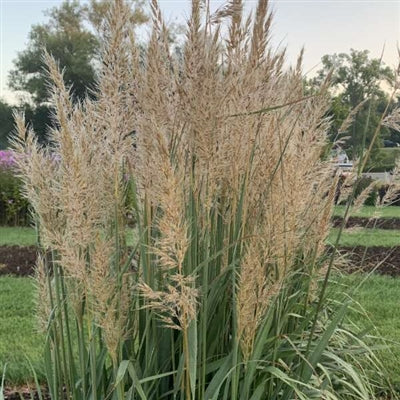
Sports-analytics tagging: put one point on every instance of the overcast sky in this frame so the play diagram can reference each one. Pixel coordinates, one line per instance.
(321, 26)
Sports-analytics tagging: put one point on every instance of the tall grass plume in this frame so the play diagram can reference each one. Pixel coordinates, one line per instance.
(219, 154)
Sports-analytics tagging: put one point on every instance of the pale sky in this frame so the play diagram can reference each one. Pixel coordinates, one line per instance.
(321, 26)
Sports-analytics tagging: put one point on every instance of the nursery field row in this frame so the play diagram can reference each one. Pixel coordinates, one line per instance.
(352, 236)
(24, 236)
(20, 261)
(371, 211)
(18, 251)
(366, 237)
(365, 222)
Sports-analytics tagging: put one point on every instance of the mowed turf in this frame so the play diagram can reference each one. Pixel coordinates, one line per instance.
(379, 297)
(350, 237)
(17, 236)
(371, 211)
(366, 237)
(20, 340)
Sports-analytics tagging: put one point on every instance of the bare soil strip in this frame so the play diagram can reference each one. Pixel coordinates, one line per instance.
(16, 260)
(25, 393)
(363, 222)
(383, 260)
(20, 261)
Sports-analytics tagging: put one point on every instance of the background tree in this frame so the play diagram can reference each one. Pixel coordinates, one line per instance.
(72, 44)
(6, 123)
(72, 36)
(356, 78)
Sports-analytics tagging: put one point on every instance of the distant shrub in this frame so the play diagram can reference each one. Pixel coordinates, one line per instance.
(384, 160)
(13, 206)
(362, 184)
(381, 168)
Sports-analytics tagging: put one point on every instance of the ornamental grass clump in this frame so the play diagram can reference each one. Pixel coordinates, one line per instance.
(220, 155)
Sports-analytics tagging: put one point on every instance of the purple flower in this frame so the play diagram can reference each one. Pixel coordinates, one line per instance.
(7, 159)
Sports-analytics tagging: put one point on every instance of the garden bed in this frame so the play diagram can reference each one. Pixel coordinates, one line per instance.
(363, 222)
(383, 260)
(20, 261)
(17, 260)
(24, 393)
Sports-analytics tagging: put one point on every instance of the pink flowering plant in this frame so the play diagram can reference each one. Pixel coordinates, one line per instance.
(7, 159)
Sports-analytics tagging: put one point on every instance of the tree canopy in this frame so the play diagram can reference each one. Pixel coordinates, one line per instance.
(357, 83)
(71, 35)
(6, 123)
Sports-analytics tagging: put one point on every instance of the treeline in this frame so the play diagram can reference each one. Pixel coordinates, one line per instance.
(73, 35)
(360, 92)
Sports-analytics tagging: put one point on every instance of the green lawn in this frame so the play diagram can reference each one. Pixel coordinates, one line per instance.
(366, 237)
(19, 338)
(17, 236)
(370, 211)
(378, 237)
(379, 297)
(355, 237)
(27, 237)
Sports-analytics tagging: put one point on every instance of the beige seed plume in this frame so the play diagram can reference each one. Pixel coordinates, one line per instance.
(221, 131)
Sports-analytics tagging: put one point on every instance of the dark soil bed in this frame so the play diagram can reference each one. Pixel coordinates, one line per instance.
(383, 260)
(17, 260)
(20, 261)
(379, 223)
(24, 393)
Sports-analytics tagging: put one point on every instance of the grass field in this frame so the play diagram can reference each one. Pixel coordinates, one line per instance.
(366, 237)
(17, 236)
(19, 339)
(27, 237)
(354, 237)
(371, 211)
(379, 297)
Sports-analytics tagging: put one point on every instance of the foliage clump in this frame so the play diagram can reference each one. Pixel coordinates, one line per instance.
(13, 205)
(220, 298)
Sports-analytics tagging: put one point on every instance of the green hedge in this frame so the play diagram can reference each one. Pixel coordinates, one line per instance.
(14, 208)
(384, 160)
(362, 184)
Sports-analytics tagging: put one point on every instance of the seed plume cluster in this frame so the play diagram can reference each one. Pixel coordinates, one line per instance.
(219, 153)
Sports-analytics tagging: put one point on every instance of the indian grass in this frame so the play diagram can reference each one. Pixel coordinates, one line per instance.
(221, 157)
